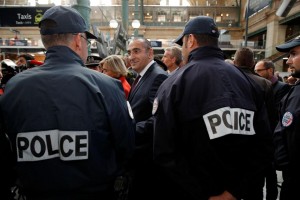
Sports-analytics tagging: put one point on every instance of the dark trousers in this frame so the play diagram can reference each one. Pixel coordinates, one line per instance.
(253, 188)
(290, 186)
(271, 184)
(144, 185)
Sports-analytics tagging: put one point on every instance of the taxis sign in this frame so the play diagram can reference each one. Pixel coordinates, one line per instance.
(24, 16)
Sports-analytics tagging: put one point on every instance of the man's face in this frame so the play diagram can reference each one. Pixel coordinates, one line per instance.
(262, 70)
(21, 62)
(138, 55)
(168, 59)
(294, 61)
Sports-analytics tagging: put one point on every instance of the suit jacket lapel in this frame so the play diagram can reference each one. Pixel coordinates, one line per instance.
(141, 82)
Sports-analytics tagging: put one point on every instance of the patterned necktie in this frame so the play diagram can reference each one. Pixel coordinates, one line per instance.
(135, 82)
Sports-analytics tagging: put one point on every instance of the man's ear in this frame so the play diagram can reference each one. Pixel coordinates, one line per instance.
(174, 59)
(150, 53)
(192, 42)
(77, 44)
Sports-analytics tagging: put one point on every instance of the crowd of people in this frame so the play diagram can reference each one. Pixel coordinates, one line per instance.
(9, 68)
(192, 126)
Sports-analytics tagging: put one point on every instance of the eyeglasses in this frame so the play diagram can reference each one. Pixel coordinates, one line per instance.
(87, 41)
(258, 70)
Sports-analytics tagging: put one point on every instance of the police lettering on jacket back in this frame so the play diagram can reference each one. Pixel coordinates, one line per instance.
(43, 145)
(226, 120)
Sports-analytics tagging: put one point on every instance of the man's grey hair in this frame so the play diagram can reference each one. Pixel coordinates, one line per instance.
(175, 52)
(57, 40)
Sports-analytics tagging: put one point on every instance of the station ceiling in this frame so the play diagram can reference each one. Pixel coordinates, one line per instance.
(131, 2)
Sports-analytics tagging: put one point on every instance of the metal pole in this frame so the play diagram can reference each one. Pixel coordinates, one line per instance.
(125, 14)
(136, 12)
(84, 8)
(247, 21)
(142, 12)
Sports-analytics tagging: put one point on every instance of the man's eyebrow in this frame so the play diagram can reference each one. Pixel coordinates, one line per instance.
(134, 49)
(292, 52)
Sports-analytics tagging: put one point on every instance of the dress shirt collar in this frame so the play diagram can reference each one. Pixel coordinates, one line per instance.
(146, 68)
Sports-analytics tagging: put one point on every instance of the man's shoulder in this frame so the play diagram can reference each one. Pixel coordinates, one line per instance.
(260, 80)
(158, 70)
(155, 71)
(280, 84)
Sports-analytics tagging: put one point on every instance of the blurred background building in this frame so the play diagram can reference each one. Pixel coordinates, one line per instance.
(259, 24)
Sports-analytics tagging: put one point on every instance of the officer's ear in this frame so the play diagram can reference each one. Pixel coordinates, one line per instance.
(191, 41)
(77, 43)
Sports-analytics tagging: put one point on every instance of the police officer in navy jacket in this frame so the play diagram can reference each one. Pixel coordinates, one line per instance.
(286, 136)
(211, 132)
(70, 127)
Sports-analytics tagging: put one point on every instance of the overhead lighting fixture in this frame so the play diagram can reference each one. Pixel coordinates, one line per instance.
(113, 23)
(136, 24)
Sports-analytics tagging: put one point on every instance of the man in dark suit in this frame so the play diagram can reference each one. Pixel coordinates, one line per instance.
(141, 97)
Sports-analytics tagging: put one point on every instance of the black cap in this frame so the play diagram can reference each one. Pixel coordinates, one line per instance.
(286, 47)
(93, 61)
(199, 25)
(65, 20)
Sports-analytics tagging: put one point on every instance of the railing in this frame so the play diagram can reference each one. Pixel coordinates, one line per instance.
(290, 37)
(168, 15)
(17, 42)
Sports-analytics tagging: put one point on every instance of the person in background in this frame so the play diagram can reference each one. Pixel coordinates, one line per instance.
(286, 135)
(266, 69)
(1, 76)
(291, 80)
(244, 60)
(126, 60)
(141, 97)
(8, 70)
(230, 61)
(22, 60)
(211, 130)
(172, 58)
(285, 79)
(276, 73)
(26, 61)
(114, 67)
(158, 60)
(131, 75)
(70, 127)
(93, 63)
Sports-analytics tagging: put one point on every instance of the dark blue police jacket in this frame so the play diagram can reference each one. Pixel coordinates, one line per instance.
(286, 135)
(70, 127)
(207, 136)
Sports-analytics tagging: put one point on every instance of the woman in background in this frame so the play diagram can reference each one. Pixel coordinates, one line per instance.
(114, 66)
